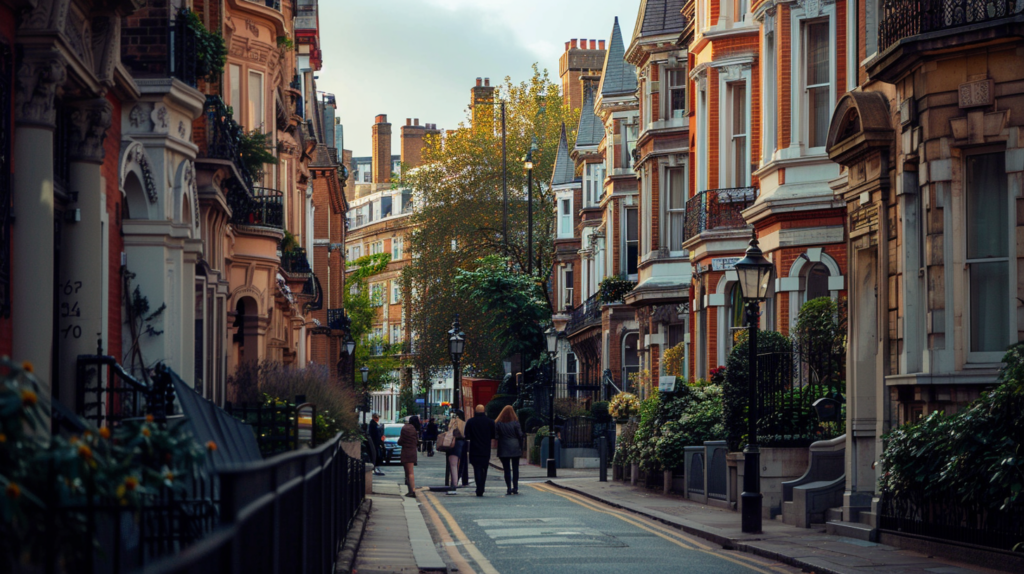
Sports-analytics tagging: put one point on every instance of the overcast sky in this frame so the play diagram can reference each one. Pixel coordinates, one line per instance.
(419, 58)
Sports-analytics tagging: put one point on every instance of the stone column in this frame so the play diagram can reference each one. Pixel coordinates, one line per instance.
(80, 309)
(32, 281)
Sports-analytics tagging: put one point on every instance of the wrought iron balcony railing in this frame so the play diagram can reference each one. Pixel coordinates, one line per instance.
(295, 261)
(224, 136)
(717, 209)
(906, 18)
(264, 208)
(585, 315)
(181, 53)
(336, 319)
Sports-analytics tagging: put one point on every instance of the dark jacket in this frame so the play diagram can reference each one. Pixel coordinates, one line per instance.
(510, 439)
(479, 432)
(408, 440)
(376, 434)
(431, 432)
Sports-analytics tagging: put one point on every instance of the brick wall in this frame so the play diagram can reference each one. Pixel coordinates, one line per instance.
(144, 39)
(785, 74)
(381, 149)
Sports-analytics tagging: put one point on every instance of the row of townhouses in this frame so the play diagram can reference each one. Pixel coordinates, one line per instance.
(874, 149)
(135, 171)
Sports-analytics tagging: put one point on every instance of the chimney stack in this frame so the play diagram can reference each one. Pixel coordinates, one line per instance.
(481, 104)
(487, 82)
(416, 121)
(567, 46)
(573, 42)
(593, 44)
(600, 44)
(381, 149)
(478, 81)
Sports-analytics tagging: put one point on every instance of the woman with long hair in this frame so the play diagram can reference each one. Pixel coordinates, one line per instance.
(458, 427)
(510, 446)
(409, 440)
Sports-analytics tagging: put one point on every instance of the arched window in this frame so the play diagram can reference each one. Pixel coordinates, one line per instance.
(816, 282)
(737, 314)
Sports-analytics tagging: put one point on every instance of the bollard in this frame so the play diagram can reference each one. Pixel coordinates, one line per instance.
(602, 453)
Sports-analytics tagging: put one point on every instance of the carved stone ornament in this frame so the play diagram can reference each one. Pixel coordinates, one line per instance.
(161, 118)
(812, 8)
(252, 27)
(730, 72)
(37, 84)
(702, 82)
(47, 15)
(972, 94)
(136, 153)
(192, 189)
(87, 128)
(182, 132)
(139, 117)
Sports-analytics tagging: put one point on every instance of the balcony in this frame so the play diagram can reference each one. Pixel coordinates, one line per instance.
(223, 138)
(586, 315)
(717, 209)
(336, 320)
(295, 261)
(275, 4)
(263, 208)
(905, 18)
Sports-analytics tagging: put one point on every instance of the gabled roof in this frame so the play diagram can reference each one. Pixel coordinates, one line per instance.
(590, 130)
(565, 169)
(659, 17)
(619, 76)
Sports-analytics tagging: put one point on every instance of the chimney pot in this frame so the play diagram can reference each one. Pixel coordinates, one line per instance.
(600, 44)
(408, 122)
(381, 119)
(416, 121)
(487, 82)
(479, 82)
(567, 46)
(573, 42)
(593, 44)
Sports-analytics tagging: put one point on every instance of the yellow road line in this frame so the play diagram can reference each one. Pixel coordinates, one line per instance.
(449, 544)
(474, 552)
(664, 532)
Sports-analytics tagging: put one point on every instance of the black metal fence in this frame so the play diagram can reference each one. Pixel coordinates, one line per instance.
(949, 519)
(585, 315)
(274, 425)
(264, 207)
(904, 18)
(717, 208)
(295, 261)
(181, 53)
(289, 514)
(788, 385)
(107, 394)
(578, 432)
(224, 137)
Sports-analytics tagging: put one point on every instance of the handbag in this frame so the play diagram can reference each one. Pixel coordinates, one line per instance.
(446, 441)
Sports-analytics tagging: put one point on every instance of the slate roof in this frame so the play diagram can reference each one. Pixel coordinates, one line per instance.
(565, 169)
(590, 130)
(659, 17)
(619, 76)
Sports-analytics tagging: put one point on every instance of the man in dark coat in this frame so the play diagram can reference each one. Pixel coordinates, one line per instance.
(376, 432)
(480, 432)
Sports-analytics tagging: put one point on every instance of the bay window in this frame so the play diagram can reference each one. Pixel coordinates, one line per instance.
(818, 76)
(565, 217)
(630, 132)
(737, 171)
(988, 251)
(632, 247)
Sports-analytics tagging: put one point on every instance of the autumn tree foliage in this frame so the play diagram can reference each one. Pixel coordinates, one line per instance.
(458, 218)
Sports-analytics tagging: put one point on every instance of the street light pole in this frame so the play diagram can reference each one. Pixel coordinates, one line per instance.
(755, 274)
(365, 371)
(456, 346)
(504, 184)
(552, 341)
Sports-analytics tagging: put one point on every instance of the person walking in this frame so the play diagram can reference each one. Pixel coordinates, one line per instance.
(457, 428)
(430, 436)
(510, 447)
(376, 432)
(480, 433)
(409, 439)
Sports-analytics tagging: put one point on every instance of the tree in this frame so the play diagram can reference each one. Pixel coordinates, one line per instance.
(374, 353)
(458, 220)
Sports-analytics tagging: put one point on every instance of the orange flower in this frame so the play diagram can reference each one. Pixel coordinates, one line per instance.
(27, 366)
(131, 483)
(87, 434)
(145, 432)
(85, 452)
(28, 398)
(73, 440)
(169, 476)
(105, 432)
(149, 418)
(3, 438)
(211, 446)
(12, 491)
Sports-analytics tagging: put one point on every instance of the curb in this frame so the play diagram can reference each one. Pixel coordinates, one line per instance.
(349, 549)
(724, 542)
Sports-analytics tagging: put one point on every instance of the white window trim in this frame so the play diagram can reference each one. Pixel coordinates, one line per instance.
(769, 132)
(645, 232)
(797, 282)
(666, 92)
(250, 123)
(663, 231)
(798, 89)
(702, 135)
(624, 242)
(561, 234)
(724, 109)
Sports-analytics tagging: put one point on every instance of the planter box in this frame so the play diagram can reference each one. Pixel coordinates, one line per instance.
(778, 465)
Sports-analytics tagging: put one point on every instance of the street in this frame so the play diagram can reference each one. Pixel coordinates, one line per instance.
(546, 529)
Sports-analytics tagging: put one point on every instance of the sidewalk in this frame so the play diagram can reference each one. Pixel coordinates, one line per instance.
(396, 537)
(807, 548)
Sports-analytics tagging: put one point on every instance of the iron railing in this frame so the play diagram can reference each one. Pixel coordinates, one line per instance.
(274, 425)
(949, 518)
(6, 151)
(295, 261)
(312, 287)
(286, 514)
(717, 209)
(181, 53)
(585, 315)
(337, 320)
(788, 385)
(578, 432)
(265, 207)
(107, 395)
(905, 18)
(224, 137)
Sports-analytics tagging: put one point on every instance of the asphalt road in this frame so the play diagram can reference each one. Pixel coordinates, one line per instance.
(546, 529)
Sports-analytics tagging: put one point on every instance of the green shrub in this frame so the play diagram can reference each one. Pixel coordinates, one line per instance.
(525, 414)
(624, 444)
(499, 402)
(211, 50)
(734, 391)
(646, 435)
(614, 288)
(534, 423)
(599, 411)
(535, 454)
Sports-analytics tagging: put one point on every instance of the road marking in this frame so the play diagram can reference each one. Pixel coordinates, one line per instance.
(460, 563)
(474, 552)
(664, 532)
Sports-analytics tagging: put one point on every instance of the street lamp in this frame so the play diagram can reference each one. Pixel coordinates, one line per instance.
(552, 340)
(755, 275)
(365, 372)
(456, 345)
(528, 164)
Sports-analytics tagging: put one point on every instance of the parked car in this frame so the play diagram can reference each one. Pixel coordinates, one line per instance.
(392, 452)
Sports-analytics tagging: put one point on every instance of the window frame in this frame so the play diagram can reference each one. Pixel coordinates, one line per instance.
(806, 87)
(397, 245)
(669, 88)
(396, 292)
(565, 232)
(728, 176)
(666, 206)
(626, 242)
(251, 121)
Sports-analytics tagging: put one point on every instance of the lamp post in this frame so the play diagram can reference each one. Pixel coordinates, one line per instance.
(755, 274)
(504, 184)
(552, 339)
(365, 372)
(349, 348)
(456, 345)
(528, 164)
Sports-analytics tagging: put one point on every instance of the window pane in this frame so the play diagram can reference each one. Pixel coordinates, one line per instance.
(235, 79)
(817, 53)
(990, 322)
(631, 225)
(739, 104)
(819, 112)
(255, 101)
(817, 282)
(986, 206)
(677, 189)
(632, 258)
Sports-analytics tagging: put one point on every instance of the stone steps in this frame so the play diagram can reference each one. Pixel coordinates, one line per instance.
(854, 530)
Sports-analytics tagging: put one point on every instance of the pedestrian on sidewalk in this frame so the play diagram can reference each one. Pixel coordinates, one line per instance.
(510, 447)
(409, 440)
(430, 436)
(376, 432)
(457, 428)
(480, 433)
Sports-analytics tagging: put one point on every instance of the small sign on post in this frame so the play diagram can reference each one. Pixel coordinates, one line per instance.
(667, 384)
(305, 414)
